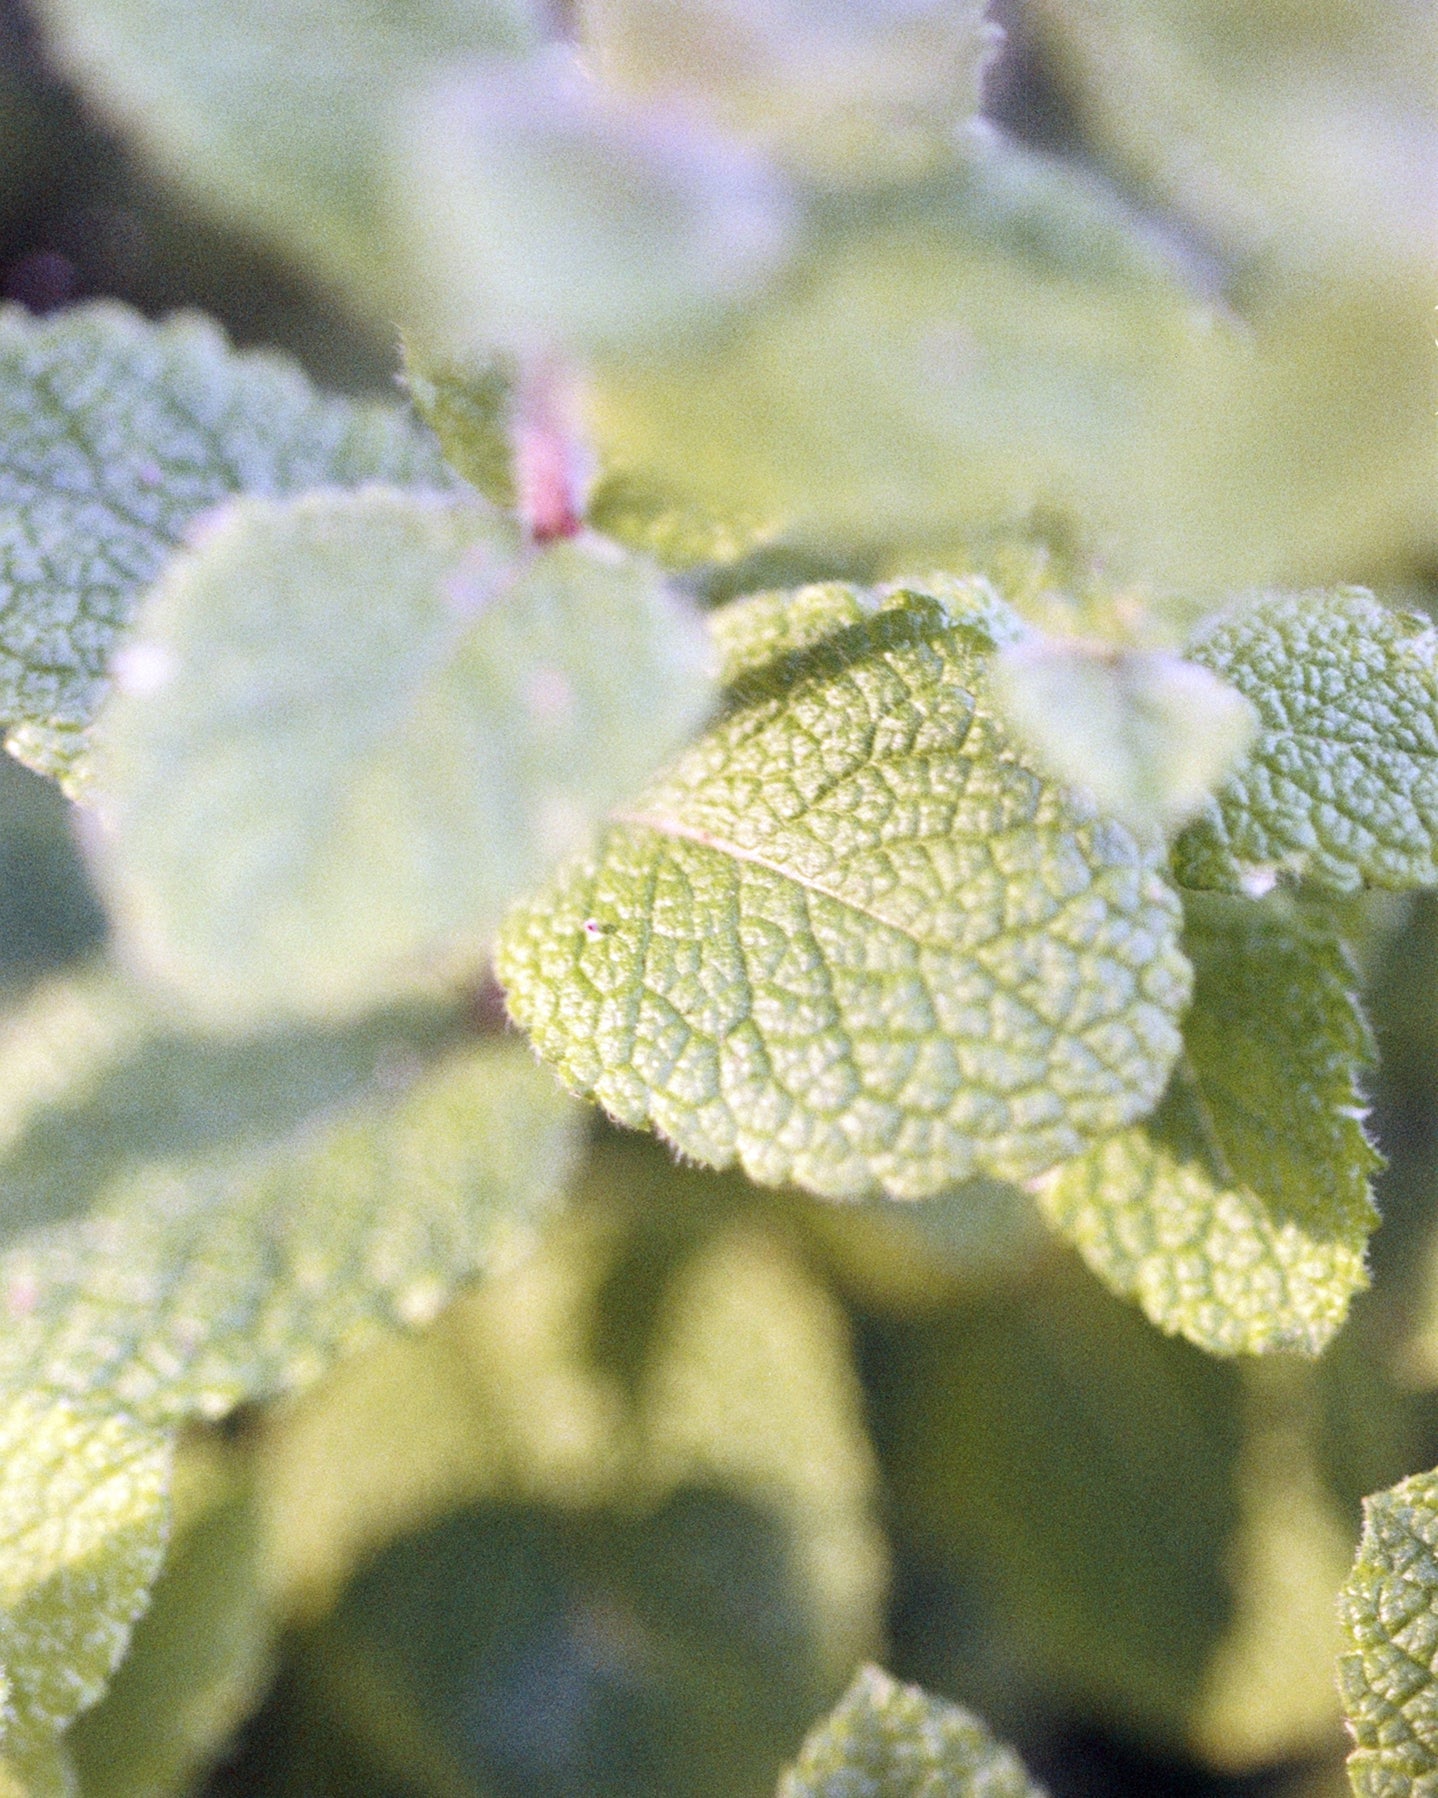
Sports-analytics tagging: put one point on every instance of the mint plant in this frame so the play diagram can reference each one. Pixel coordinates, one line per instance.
(818, 753)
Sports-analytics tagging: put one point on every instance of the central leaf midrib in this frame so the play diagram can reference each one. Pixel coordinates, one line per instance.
(678, 829)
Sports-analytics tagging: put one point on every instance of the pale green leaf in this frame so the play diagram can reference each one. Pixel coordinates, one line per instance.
(468, 406)
(868, 92)
(96, 1081)
(277, 116)
(539, 211)
(1149, 735)
(1341, 785)
(886, 1740)
(353, 726)
(37, 1767)
(193, 1292)
(947, 357)
(1388, 1674)
(1238, 1214)
(117, 435)
(1288, 135)
(852, 942)
(196, 1666)
(83, 1523)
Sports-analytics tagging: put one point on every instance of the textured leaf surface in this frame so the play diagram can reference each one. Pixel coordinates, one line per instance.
(1389, 1674)
(277, 118)
(83, 1521)
(468, 406)
(852, 942)
(1237, 1215)
(248, 1214)
(1341, 784)
(886, 1740)
(368, 721)
(117, 435)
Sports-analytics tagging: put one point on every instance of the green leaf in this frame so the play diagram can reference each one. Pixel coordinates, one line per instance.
(96, 1081)
(248, 1216)
(1238, 1214)
(636, 1653)
(541, 212)
(468, 407)
(660, 1334)
(353, 726)
(865, 93)
(852, 942)
(277, 119)
(1149, 735)
(118, 434)
(197, 1665)
(1341, 786)
(83, 1522)
(1278, 132)
(1078, 1471)
(886, 1740)
(944, 357)
(1389, 1674)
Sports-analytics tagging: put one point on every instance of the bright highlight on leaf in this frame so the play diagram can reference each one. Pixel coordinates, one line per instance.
(1341, 785)
(543, 215)
(853, 942)
(886, 1740)
(352, 727)
(1149, 735)
(83, 1522)
(117, 435)
(1238, 1213)
(197, 1282)
(1389, 1674)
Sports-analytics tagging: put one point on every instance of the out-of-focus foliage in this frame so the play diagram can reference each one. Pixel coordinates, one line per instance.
(1023, 867)
(358, 793)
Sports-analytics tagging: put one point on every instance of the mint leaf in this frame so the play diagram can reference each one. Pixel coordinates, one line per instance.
(83, 1523)
(852, 942)
(1005, 336)
(540, 211)
(1149, 735)
(1238, 1214)
(198, 1662)
(662, 1332)
(468, 406)
(277, 119)
(865, 93)
(361, 724)
(1341, 786)
(193, 1288)
(118, 434)
(886, 1740)
(1389, 1674)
